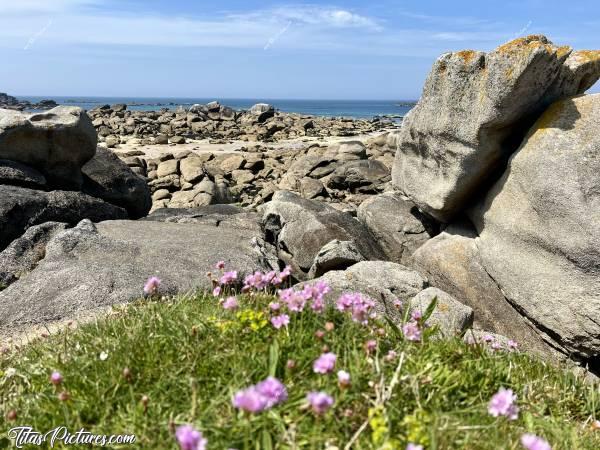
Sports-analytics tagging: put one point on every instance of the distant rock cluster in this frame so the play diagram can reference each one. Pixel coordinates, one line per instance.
(10, 102)
(116, 124)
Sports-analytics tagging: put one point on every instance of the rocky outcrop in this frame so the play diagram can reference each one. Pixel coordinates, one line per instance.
(57, 142)
(299, 228)
(110, 179)
(474, 110)
(539, 226)
(451, 262)
(21, 208)
(90, 267)
(219, 122)
(397, 224)
(10, 102)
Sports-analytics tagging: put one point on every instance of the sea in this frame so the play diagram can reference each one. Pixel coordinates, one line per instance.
(358, 109)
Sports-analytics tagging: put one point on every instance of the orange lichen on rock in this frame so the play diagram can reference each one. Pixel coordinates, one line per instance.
(534, 40)
(553, 111)
(467, 55)
(587, 55)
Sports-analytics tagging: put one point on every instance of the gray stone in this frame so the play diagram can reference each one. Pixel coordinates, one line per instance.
(539, 226)
(161, 194)
(192, 169)
(451, 262)
(311, 188)
(232, 163)
(57, 142)
(21, 208)
(24, 253)
(91, 267)
(161, 139)
(166, 168)
(17, 174)
(335, 255)
(450, 316)
(110, 179)
(300, 228)
(177, 140)
(473, 112)
(397, 224)
(366, 176)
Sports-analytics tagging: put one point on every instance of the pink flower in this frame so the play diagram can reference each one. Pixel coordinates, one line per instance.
(151, 286)
(250, 400)
(230, 303)
(255, 281)
(294, 300)
(189, 438)
(320, 402)
(398, 304)
(220, 265)
(370, 345)
(512, 344)
(345, 302)
(274, 306)
(412, 331)
(533, 442)
(416, 315)
(286, 272)
(503, 404)
(282, 320)
(391, 355)
(229, 277)
(217, 291)
(325, 363)
(360, 307)
(343, 378)
(56, 378)
(412, 446)
(273, 391)
(262, 396)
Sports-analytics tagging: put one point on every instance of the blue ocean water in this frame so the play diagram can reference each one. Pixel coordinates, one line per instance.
(332, 108)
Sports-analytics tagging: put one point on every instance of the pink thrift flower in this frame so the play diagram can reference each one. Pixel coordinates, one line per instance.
(488, 338)
(512, 344)
(503, 404)
(496, 345)
(274, 306)
(190, 439)
(533, 442)
(151, 286)
(220, 265)
(391, 355)
(343, 378)
(416, 315)
(286, 272)
(282, 320)
(398, 304)
(370, 345)
(56, 378)
(295, 301)
(230, 303)
(412, 446)
(325, 363)
(345, 302)
(273, 391)
(412, 331)
(250, 400)
(320, 402)
(217, 291)
(229, 277)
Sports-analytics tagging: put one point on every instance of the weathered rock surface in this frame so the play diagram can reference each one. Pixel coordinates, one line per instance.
(300, 228)
(17, 174)
(451, 262)
(90, 267)
(473, 112)
(110, 179)
(539, 226)
(397, 224)
(57, 142)
(450, 316)
(24, 253)
(21, 208)
(335, 255)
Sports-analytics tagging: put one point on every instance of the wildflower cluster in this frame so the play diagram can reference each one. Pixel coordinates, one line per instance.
(361, 307)
(313, 294)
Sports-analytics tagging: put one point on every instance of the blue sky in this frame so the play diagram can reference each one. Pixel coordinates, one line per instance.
(376, 49)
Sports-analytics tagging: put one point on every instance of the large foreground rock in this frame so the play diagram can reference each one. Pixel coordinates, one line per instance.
(451, 262)
(57, 142)
(539, 226)
(300, 228)
(90, 267)
(473, 112)
(21, 208)
(110, 179)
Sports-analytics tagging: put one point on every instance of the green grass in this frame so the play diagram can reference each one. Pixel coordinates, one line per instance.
(188, 356)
